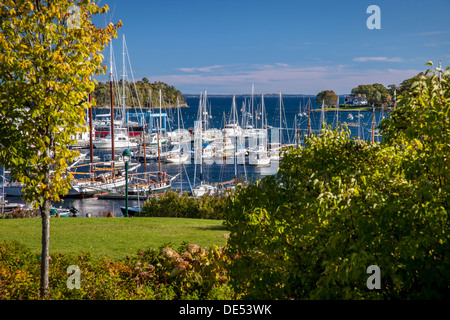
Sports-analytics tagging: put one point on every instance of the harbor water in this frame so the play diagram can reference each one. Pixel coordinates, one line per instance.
(294, 112)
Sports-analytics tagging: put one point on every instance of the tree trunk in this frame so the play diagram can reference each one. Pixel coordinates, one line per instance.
(45, 255)
(45, 240)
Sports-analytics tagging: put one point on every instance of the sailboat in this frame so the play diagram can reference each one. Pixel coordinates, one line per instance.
(203, 188)
(121, 140)
(107, 178)
(232, 128)
(162, 184)
(277, 143)
(258, 155)
(177, 155)
(373, 131)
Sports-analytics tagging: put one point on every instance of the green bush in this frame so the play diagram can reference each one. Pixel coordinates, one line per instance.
(173, 204)
(338, 206)
(155, 274)
(334, 209)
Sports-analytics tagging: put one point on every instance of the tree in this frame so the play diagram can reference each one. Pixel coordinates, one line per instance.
(48, 51)
(375, 93)
(420, 128)
(328, 96)
(140, 90)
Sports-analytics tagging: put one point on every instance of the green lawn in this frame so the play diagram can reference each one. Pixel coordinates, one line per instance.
(113, 237)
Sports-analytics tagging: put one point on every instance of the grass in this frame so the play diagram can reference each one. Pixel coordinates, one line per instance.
(113, 237)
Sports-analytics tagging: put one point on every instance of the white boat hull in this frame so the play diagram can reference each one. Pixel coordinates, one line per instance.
(260, 162)
(100, 144)
(83, 188)
(203, 189)
(177, 158)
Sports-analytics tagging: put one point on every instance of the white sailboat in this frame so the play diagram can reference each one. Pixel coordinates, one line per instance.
(232, 128)
(178, 154)
(106, 178)
(275, 151)
(121, 140)
(203, 188)
(177, 158)
(258, 155)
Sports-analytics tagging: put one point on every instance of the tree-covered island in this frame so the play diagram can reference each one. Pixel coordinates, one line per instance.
(137, 94)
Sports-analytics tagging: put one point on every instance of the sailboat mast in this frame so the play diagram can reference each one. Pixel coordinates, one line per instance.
(337, 110)
(264, 135)
(224, 136)
(373, 123)
(253, 92)
(309, 117)
(359, 124)
(144, 130)
(158, 132)
(123, 77)
(322, 114)
(91, 146)
(281, 133)
(262, 111)
(296, 133)
(111, 77)
(204, 113)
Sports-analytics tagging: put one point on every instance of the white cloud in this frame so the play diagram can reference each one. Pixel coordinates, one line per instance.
(201, 69)
(383, 59)
(430, 33)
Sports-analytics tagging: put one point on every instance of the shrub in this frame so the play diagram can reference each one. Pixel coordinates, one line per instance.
(335, 208)
(172, 204)
(157, 274)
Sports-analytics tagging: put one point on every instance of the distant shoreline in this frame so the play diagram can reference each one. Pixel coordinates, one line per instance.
(248, 95)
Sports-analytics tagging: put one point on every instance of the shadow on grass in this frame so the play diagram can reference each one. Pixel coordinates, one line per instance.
(213, 228)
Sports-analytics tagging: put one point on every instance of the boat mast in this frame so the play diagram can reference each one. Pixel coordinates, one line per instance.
(264, 135)
(281, 133)
(359, 124)
(224, 136)
(296, 133)
(253, 91)
(111, 77)
(158, 131)
(143, 134)
(204, 112)
(202, 105)
(309, 117)
(91, 144)
(322, 114)
(373, 123)
(123, 79)
(337, 110)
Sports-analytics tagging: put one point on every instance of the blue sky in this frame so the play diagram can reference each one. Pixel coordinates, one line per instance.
(296, 46)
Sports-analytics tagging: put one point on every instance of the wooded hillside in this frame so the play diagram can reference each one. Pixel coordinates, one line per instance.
(140, 92)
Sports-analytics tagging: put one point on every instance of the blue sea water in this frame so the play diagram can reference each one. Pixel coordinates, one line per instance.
(293, 108)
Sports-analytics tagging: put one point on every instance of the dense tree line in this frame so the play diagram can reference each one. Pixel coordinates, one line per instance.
(137, 94)
(376, 93)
